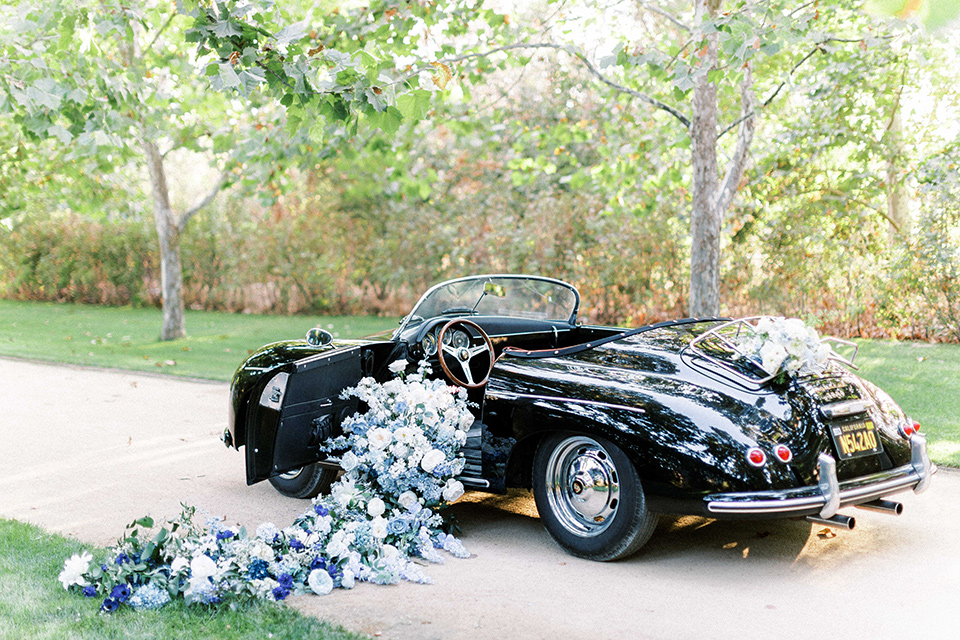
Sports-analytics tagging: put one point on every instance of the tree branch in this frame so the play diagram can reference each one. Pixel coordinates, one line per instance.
(738, 162)
(663, 14)
(776, 92)
(189, 213)
(161, 30)
(586, 62)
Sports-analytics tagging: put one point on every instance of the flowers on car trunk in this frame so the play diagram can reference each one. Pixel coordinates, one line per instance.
(400, 459)
(784, 345)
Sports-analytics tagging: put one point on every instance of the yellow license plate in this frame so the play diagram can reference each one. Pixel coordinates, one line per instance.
(855, 439)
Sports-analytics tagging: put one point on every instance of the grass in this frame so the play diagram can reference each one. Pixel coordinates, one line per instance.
(126, 338)
(34, 605)
(925, 380)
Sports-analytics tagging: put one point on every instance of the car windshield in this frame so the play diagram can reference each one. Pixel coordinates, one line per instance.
(513, 296)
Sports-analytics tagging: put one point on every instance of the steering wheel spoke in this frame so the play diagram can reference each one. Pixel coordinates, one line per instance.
(465, 355)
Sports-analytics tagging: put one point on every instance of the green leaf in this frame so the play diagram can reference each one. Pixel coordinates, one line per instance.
(292, 32)
(225, 29)
(415, 104)
(60, 133)
(145, 521)
(228, 76)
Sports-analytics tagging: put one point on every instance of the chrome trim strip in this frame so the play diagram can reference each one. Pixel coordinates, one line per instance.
(845, 408)
(903, 482)
(510, 396)
(829, 487)
(474, 482)
(920, 462)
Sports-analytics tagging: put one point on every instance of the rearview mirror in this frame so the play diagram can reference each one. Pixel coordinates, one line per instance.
(492, 289)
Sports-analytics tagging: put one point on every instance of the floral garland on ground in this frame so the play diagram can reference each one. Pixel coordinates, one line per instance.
(785, 345)
(399, 458)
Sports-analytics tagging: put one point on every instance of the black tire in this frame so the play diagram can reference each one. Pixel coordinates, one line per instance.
(590, 498)
(306, 482)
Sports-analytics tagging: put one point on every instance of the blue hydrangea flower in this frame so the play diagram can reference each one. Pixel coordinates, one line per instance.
(321, 510)
(121, 558)
(279, 593)
(90, 591)
(225, 534)
(318, 563)
(296, 545)
(285, 580)
(149, 596)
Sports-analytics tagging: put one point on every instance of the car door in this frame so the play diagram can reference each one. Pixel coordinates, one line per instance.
(298, 409)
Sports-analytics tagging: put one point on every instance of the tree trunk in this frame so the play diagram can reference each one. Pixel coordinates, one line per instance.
(168, 234)
(898, 209)
(706, 217)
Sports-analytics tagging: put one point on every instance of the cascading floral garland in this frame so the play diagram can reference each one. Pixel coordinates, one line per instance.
(400, 459)
(785, 346)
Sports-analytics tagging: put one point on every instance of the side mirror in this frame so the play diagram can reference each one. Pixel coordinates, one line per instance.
(319, 337)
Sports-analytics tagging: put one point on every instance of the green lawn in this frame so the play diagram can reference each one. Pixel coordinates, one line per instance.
(126, 338)
(34, 605)
(925, 380)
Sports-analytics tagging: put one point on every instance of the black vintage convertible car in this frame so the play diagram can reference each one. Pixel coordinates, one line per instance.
(609, 426)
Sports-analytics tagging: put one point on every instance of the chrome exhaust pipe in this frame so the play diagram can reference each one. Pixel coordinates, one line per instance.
(839, 521)
(883, 506)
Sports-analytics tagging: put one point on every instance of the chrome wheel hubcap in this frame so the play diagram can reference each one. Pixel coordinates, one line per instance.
(583, 487)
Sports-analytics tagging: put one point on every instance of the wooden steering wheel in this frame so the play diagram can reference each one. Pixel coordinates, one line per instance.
(464, 355)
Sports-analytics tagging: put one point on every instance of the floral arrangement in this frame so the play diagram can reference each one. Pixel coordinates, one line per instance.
(784, 345)
(400, 458)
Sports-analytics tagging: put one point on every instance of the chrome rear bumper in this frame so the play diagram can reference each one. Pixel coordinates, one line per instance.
(829, 495)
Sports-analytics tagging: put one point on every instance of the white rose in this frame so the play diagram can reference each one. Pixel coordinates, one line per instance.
(772, 356)
(379, 439)
(431, 459)
(466, 420)
(349, 461)
(74, 568)
(347, 580)
(179, 564)
(452, 490)
(202, 567)
(389, 551)
(378, 528)
(320, 582)
(376, 507)
(408, 499)
(398, 366)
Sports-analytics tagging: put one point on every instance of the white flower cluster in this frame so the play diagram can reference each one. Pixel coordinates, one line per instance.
(785, 345)
(400, 459)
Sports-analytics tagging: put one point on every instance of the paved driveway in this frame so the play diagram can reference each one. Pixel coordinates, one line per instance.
(87, 451)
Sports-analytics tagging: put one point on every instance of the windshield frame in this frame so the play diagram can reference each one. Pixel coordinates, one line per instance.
(407, 320)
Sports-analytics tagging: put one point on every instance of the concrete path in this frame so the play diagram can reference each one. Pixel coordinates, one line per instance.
(86, 451)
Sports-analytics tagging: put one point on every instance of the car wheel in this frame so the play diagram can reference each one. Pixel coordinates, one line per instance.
(305, 482)
(590, 498)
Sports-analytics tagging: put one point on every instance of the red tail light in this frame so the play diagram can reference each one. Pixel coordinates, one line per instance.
(783, 453)
(756, 457)
(910, 428)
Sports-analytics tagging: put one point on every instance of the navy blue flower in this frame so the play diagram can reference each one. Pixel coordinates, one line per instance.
(90, 591)
(258, 569)
(285, 580)
(318, 563)
(121, 593)
(296, 545)
(109, 605)
(321, 510)
(279, 593)
(103, 567)
(334, 571)
(122, 557)
(225, 534)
